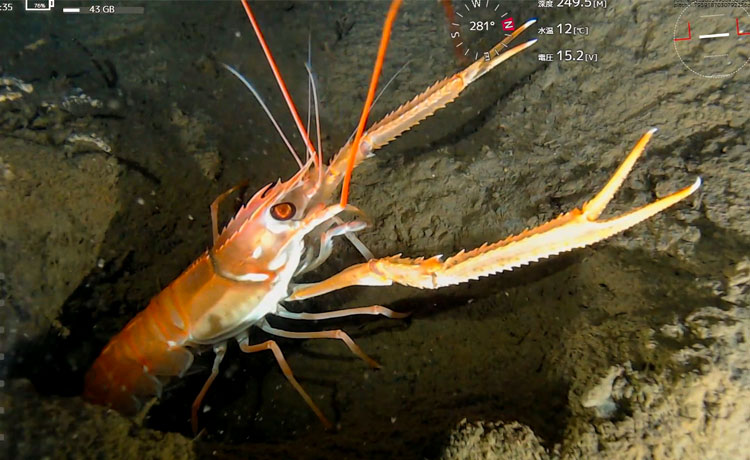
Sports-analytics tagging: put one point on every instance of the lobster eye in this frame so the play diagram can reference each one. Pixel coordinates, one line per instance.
(283, 211)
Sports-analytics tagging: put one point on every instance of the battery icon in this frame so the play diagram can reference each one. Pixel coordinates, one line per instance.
(40, 5)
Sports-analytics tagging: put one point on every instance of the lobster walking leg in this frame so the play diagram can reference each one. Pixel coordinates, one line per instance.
(335, 334)
(358, 245)
(287, 371)
(326, 243)
(576, 229)
(219, 350)
(371, 310)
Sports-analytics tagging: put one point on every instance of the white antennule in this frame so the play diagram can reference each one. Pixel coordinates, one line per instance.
(249, 86)
(309, 88)
(380, 93)
(317, 113)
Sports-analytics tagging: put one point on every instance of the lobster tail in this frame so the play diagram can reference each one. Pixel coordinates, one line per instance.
(134, 364)
(119, 383)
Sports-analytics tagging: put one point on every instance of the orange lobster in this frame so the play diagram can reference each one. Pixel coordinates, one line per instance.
(248, 272)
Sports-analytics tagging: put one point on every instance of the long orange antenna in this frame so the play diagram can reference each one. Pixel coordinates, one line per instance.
(395, 4)
(287, 97)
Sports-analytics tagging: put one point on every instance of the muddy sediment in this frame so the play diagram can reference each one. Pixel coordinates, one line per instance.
(634, 348)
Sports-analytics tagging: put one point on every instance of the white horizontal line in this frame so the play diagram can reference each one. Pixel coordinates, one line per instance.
(714, 55)
(713, 35)
(71, 10)
(711, 15)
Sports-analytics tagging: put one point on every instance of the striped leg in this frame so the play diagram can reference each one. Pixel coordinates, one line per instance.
(287, 371)
(371, 310)
(335, 334)
(219, 350)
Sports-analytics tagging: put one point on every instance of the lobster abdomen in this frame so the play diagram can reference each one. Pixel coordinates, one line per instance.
(135, 362)
(198, 308)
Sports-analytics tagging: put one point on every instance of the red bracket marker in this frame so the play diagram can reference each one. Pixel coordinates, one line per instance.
(737, 21)
(687, 38)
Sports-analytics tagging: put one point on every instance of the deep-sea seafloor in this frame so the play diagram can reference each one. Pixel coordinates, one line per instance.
(636, 348)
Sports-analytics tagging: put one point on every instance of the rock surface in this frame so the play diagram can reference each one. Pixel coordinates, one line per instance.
(636, 348)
